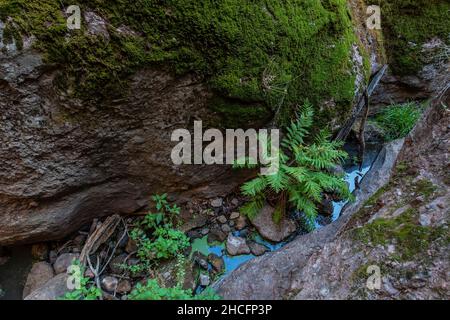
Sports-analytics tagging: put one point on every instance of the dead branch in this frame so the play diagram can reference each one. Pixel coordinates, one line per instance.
(101, 234)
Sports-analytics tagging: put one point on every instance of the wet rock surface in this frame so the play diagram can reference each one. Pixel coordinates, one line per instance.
(236, 246)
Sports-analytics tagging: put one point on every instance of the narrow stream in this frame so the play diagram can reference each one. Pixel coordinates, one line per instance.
(352, 171)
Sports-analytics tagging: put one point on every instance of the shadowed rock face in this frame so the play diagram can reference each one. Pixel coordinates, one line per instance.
(64, 161)
(432, 80)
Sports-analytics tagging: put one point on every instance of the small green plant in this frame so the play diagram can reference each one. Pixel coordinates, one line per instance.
(156, 237)
(304, 173)
(87, 290)
(398, 120)
(153, 291)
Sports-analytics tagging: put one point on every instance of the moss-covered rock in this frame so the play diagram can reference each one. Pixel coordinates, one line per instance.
(267, 52)
(407, 25)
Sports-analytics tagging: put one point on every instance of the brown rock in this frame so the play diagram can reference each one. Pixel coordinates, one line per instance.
(241, 223)
(236, 246)
(271, 231)
(123, 287)
(64, 261)
(257, 249)
(53, 289)
(40, 273)
(40, 251)
(217, 262)
(72, 168)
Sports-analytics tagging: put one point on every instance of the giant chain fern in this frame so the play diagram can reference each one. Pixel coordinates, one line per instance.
(304, 173)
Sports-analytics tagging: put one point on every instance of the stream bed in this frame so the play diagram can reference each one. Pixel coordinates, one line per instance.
(353, 173)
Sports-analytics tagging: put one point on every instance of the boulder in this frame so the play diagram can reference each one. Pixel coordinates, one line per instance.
(236, 246)
(217, 262)
(123, 287)
(109, 283)
(59, 169)
(257, 249)
(234, 215)
(241, 223)
(64, 261)
(270, 230)
(40, 273)
(53, 289)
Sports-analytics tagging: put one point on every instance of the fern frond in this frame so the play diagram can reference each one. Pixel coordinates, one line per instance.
(298, 173)
(254, 187)
(279, 181)
(299, 128)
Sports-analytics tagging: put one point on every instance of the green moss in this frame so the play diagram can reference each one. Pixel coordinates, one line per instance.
(407, 24)
(277, 53)
(409, 236)
(237, 114)
(424, 187)
(11, 34)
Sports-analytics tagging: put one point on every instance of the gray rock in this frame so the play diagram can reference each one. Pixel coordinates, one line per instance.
(64, 261)
(225, 228)
(234, 215)
(270, 230)
(70, 161)
(236, 246)
(40, 273)
(257, 249)
(217, 203)
(96, 25)
(200, 259)
(222, 219)
(109, 283)
(53, 289)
